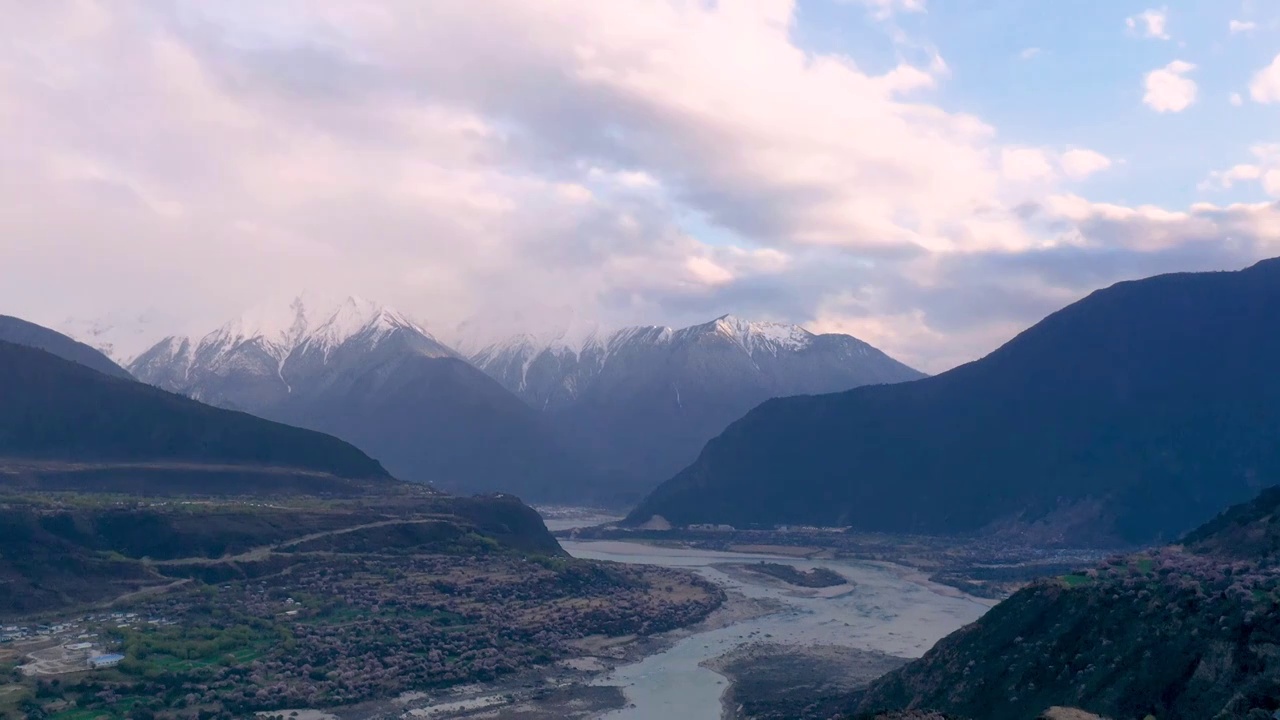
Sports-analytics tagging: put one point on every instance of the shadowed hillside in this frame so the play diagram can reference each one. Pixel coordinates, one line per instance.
(21, 332)
(1132, 415)
(56, 410)
(1182, 633)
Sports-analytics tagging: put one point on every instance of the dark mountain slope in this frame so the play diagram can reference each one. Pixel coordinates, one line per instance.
(373, 377)
(1187, 632)
(641, 403)
(1133, 414)
(434, 419)
(55, 410)
(21, 332)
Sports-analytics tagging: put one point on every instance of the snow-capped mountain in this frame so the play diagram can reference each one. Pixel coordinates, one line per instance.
(258, 358)
(569, 415)
(374, 377)
(642, 401)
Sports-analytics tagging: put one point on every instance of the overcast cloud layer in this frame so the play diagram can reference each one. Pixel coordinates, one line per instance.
(513, 163)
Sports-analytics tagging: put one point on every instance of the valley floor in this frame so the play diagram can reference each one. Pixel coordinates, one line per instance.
(771, 648)
(353, 612)
(235, 608)
(986, 567)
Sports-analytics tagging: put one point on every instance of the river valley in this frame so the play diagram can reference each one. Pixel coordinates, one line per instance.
(849, 632)
(883, 609)
(791, 629)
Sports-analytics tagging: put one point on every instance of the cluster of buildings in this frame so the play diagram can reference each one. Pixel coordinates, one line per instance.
(105, 661)
(70, 646)
(95, 658)
(18, 633)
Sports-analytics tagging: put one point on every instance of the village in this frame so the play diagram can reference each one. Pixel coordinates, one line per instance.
(88, 642)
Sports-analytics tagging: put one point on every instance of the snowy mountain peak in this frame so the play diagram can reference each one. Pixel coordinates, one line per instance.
(357, 316)
(752, 335)
(278, 327)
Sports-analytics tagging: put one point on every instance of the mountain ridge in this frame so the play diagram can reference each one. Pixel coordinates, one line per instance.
(565, 396)
(22, 332)
(1154, 384)
(641, 401)
(372, 375)
(61, 412)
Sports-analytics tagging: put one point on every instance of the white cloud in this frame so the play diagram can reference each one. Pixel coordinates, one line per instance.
(1241, 26)
(1026, 164)
(1168, 89)
(1029, 53)
(1151, 23)
(1042, 165)
(1079, 163)
(707, 272)
(642, 161)
(1152, 229)
(1235, 99)
(631, 179)
(885, 8)
(1265, 87)
(1265, 170)
(1226, 178)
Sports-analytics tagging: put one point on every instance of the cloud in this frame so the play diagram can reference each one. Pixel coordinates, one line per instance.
(1168, 90)
(1026, 164)
(641, 162)
(938, 311)
(1235, 99)
(1241, 26)
(1081, 163)
(886, 8)
(1029, 53)
(1265, 170)
(1043, 165)
(1265, 87)
(1151, 23)
(707, 272)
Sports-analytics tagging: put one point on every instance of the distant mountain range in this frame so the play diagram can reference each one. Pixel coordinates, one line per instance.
(1129, 416)
(600, 420)
(641, 402)
(376, 378)
(1180, 633)
(68, 427)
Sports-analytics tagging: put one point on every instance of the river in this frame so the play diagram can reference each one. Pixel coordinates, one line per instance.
(886, 608)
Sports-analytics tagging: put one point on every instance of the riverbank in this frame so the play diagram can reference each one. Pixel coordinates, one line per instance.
(771, 681)
(768, 642)
(575, 688)
(977, 566)
(881, 611)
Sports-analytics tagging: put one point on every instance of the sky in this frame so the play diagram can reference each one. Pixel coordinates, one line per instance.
(932, 176)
